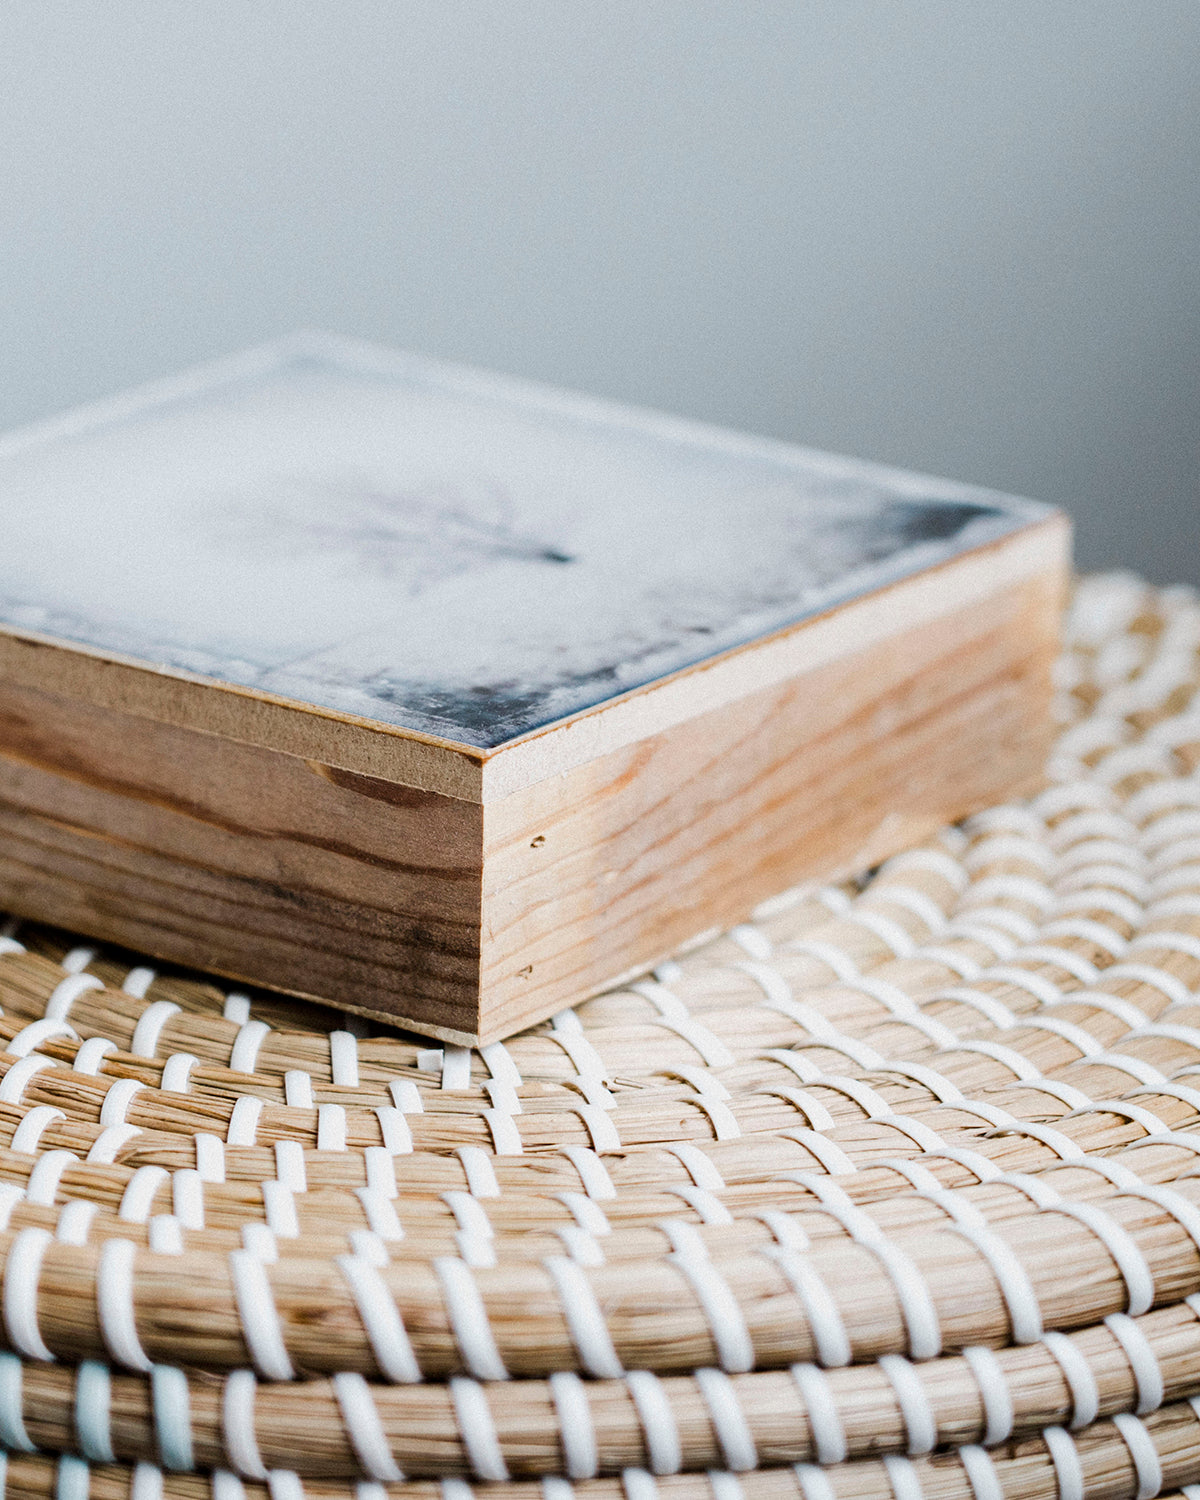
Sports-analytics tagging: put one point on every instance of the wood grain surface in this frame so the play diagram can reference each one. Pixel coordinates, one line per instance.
(602, 871)
(257, 865)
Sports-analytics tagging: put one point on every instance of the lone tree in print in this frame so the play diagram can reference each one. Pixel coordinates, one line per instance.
(415, 536)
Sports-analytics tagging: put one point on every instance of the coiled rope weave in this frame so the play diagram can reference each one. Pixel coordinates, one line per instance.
(893, 1191)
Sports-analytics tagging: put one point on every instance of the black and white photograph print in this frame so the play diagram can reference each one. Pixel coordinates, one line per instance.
(463, 555)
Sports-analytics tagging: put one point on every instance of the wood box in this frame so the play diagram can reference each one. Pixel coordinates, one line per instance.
(451, 700)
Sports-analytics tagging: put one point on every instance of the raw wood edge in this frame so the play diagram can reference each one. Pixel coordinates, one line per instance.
(840, 631)
(191, 701)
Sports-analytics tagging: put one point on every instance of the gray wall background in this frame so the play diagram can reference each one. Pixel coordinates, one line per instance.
(962, 237)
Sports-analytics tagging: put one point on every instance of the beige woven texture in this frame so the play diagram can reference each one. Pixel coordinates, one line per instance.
(891, 1192)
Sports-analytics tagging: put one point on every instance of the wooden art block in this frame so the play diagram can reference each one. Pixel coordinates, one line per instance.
(450, 699)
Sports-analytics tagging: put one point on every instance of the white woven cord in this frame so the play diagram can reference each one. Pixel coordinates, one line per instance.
(906, 1157)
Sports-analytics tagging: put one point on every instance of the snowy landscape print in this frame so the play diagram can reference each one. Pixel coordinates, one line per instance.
(442, 551)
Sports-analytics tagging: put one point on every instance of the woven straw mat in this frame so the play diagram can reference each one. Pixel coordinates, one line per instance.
(891, 1192)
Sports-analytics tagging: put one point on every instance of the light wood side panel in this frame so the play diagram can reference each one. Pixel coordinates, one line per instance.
(251, 863)
(468, 921)
(591, 874)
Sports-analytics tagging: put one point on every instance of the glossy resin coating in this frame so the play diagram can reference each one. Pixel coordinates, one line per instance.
(461, 555)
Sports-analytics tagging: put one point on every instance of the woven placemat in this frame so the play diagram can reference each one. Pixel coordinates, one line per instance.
(891, 1191)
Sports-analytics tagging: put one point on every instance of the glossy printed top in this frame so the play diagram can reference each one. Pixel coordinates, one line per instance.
(449, 552)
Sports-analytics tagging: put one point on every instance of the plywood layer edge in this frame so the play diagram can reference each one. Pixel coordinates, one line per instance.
(616, 863)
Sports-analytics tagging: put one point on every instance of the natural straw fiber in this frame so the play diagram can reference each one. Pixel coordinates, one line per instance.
(894, 1190)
